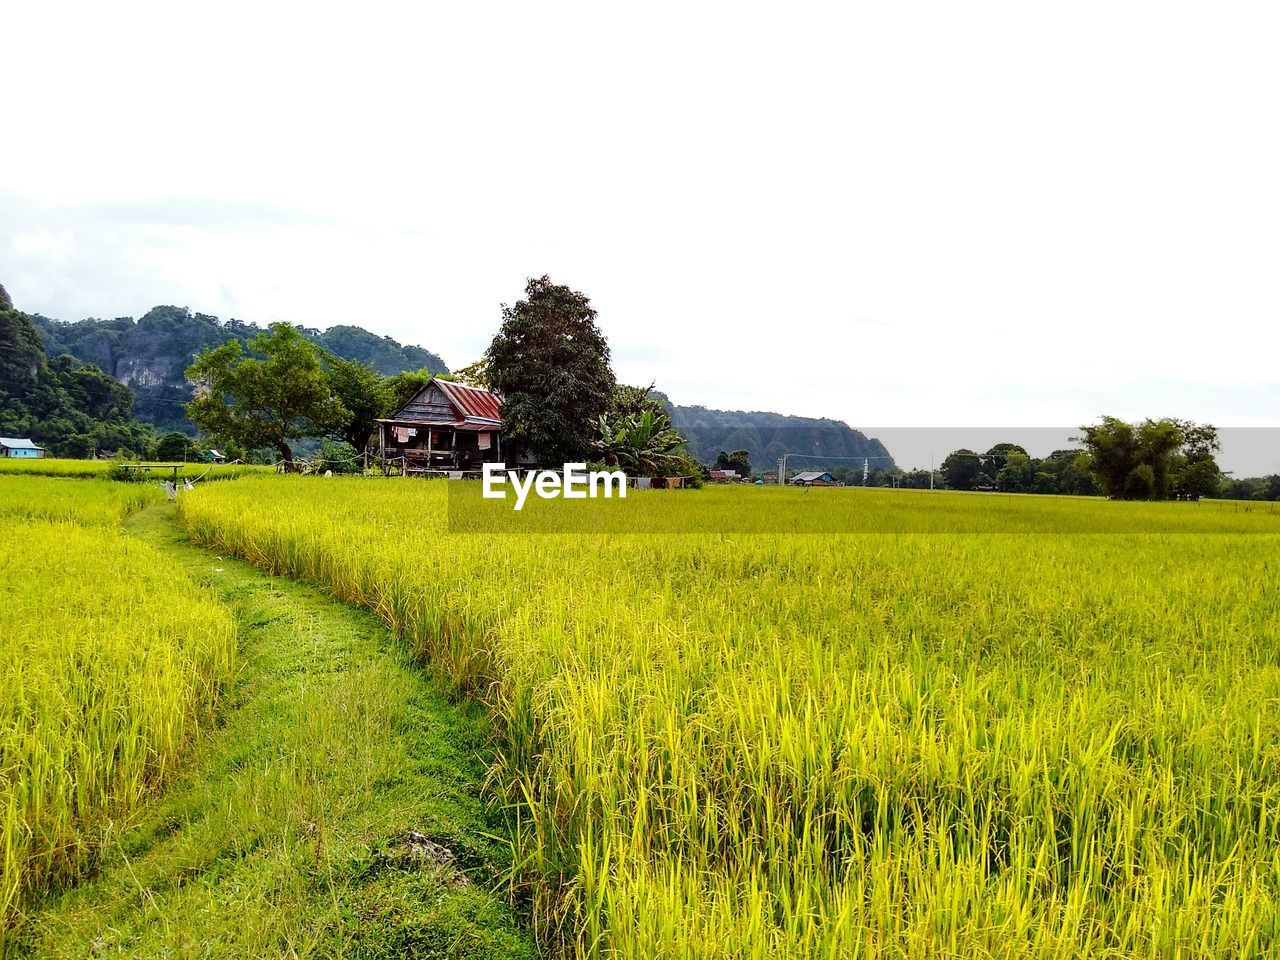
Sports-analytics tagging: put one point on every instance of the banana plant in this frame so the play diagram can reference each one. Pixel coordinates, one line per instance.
(643, 444)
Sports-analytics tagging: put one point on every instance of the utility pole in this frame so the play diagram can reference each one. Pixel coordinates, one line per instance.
(930, 471)
(782, 471)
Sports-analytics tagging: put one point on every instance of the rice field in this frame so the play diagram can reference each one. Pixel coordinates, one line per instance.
(760, 743)
(87, 469)
(99, 504)
(108, 663)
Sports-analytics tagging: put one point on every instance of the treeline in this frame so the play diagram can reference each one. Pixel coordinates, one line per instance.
(1009, 468)
(1251, 488)
(1165, 459)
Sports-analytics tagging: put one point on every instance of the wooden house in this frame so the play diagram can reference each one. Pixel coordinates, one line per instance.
(19, 448)
(445, 426)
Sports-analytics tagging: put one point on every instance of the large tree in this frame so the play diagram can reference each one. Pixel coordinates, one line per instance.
(1017, 472)
(550, 363)
(1195, 470)
(278, 394)
(739, 461)
(961, 469)
(1154, 459)
(993, 460)
(365, 396)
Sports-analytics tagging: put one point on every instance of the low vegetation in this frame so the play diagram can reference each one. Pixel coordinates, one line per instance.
(767, 744)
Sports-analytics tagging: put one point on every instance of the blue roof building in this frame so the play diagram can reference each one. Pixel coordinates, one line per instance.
(19, 448)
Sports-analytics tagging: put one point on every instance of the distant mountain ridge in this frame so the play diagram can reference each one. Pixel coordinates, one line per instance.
(766, 437)
(151, 354)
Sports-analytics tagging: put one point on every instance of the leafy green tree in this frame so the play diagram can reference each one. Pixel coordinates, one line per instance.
(1195, 471)
(1150, 460)
(629, 401)
(1044, 482)
(739, 461)
(993, 460)
(402, 387)
(1159, 442)
(1141, 483)
(176, 446)
(270, 399)
(960, 470)
(1114, 451)
(550, 363)
(916, 480)
(364, 395)
(1017, 475)
(1072, 471)
(1196, 479)
(474, 374)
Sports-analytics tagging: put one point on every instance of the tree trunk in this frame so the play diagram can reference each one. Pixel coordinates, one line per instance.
(286, 456)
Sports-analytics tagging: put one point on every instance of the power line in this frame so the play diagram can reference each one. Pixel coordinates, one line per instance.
(821, 456)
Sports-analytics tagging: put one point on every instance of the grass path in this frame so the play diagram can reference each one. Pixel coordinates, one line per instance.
(284, 836)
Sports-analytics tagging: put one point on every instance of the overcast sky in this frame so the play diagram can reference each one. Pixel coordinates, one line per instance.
(892, 214)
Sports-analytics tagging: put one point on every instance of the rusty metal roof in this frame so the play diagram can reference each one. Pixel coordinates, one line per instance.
(472, 403)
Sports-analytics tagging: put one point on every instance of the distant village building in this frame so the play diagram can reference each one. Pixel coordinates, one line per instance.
(724, 476)
(444, 426)
(815, 478)
(19, 448)
(213, 456)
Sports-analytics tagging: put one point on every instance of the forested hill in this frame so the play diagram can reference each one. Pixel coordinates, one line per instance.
(152, 353)
(767, 436)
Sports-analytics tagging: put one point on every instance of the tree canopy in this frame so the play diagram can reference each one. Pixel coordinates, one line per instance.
(365, 396)
(278, 395)
(739, 461)
(1153, 460)
(550, 363)
(961, 469)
